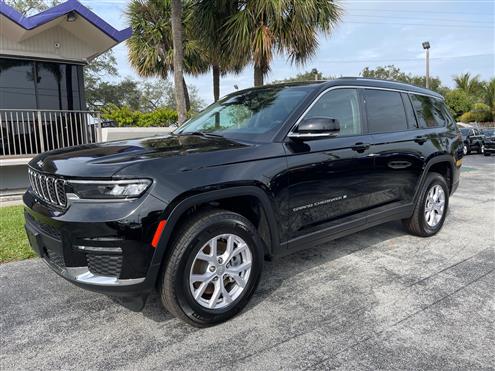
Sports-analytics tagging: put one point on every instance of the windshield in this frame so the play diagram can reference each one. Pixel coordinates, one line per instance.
(489, 131)
(253, 114)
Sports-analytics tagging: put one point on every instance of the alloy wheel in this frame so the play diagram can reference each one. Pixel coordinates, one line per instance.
(435, 205)
(220, 271)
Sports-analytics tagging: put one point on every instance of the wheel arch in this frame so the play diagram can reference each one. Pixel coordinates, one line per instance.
(442, 164)
(180, 209)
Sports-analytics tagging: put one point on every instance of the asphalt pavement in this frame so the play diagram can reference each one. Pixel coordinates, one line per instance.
(379, 299)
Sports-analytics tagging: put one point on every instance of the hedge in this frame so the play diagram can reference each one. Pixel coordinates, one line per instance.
(124, 116)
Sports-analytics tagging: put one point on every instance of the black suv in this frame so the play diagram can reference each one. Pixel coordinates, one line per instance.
(472, 140)
(488, 141)
(259, 174)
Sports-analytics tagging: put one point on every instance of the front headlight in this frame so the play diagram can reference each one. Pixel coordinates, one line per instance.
(111, 189)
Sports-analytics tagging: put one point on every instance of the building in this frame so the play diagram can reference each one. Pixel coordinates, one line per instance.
(42, 103)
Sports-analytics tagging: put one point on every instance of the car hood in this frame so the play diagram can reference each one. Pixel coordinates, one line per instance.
(105, 159)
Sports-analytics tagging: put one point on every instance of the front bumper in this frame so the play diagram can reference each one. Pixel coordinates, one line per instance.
(489, 147)
(103, 247)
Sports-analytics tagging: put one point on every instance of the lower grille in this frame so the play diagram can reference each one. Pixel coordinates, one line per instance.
(54, 258)
(104, 265)
(46, 228)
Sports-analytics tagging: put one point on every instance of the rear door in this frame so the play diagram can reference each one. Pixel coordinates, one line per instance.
(398, 147)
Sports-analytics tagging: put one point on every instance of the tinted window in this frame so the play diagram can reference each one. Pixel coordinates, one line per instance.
(17, 84)
(385, 111)
(57, 86)
(428, 111)
(340, 104)
(29, 85)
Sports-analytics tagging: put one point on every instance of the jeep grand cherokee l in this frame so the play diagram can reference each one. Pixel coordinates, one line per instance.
(261, 173)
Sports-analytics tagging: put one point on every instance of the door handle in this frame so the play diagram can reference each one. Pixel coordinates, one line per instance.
(420, 139)
(360, 147)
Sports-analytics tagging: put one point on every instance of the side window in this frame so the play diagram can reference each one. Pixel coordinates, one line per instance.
(340, 104)
(428, 111)
(385, 111)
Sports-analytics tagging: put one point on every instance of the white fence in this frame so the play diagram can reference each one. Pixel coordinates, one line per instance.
(26, 133)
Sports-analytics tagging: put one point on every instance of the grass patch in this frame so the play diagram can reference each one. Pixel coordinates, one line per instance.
(13, 240)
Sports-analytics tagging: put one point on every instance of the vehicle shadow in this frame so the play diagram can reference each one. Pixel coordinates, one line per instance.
(279, 270)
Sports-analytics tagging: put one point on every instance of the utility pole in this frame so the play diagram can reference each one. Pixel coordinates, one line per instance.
(426, 47)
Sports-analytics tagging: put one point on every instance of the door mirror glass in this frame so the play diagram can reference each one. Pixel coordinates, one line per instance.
(317, 127)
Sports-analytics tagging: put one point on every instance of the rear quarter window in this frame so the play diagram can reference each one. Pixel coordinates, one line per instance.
(429, 111)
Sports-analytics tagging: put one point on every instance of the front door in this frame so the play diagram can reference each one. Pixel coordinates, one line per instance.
(328, 177)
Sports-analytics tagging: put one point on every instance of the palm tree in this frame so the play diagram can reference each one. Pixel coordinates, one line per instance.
(489, 94)
(261, 28)
(470, 84)
(210, 16)
(177, 43)
(151, 46)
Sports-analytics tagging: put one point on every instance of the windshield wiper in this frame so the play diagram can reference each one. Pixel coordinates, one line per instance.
(202, 134)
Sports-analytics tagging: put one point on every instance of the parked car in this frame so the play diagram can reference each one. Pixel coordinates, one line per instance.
(472, 139)
(260, 174)
(488, 141)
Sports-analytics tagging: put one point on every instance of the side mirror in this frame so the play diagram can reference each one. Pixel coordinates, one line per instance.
(316, 128)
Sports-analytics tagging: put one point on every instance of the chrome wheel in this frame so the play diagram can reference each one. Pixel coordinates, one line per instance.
(482, 149)
(220, 271)
(435, 205)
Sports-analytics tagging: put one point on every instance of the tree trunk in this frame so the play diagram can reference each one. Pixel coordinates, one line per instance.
(258, 76)
(216, 82)
(186, 96)
(176, 21)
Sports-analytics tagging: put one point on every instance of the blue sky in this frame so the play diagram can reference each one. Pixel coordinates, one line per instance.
(372, 33)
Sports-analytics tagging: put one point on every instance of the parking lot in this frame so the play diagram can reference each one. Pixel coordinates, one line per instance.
(379, 299)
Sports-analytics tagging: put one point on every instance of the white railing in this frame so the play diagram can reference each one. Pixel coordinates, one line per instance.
(25, 133)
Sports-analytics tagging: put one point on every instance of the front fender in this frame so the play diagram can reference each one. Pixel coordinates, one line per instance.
(173, 213)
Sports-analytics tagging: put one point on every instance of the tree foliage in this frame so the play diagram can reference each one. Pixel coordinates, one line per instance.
(479, 113)
(468, 83)
(210, 18)
(126, 116)
(314, 74)
(394, 73)
(151, 47)
(30, 7)
(262, 28)
(459, 101)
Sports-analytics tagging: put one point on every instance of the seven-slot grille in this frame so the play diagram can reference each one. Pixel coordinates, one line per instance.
(48, 188)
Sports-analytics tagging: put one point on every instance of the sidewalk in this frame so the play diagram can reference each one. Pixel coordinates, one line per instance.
(11, 197)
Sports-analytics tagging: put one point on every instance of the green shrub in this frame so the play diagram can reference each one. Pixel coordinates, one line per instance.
(479, 113)
(124, 116)
(159, 117)
(459, 102)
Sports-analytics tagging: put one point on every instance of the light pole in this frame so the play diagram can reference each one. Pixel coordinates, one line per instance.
(426, 46)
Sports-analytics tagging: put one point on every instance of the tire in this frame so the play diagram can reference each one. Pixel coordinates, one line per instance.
(418, 224)
(486, 154)
(196, 236)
